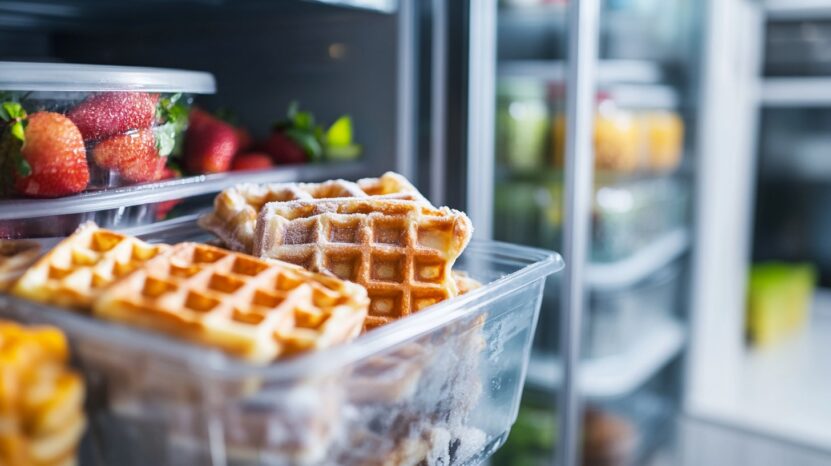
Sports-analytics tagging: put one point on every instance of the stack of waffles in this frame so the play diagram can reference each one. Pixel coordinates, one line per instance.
(234, 217)
(41, 400)
(398, 246)
(378, 232)
(256, 309)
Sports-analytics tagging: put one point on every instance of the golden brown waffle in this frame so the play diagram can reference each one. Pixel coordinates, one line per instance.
(75, 271)
(235, 209)
(401, 251)
(15, 257)
(253, 308)
(41, 401)
(464, 282)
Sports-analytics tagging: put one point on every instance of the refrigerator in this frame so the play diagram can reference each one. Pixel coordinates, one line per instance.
(670, 150)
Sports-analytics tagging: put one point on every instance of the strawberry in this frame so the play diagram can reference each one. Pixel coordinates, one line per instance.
(163, 208)
(284, 150)
(54, 160)
(133, 155)
(246, 142)
(251, 161)
(210, 144)
(110, 113)
(169, 173)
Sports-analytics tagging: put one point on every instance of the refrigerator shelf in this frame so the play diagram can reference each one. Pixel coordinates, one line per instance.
(618, 375)
(608, 71)
(797, 9)
(799, 410)
(796, 92)
(640, 265)
(13, 209)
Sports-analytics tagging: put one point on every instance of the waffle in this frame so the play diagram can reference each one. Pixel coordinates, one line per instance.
(235, 209)
(41, 401)
(464, 283)
(252, 308)
(401, 251)
(15, 257)
(75, 271)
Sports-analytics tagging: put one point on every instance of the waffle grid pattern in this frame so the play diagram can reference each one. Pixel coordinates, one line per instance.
(235, 212)
(15, 257)
(75, 272)
(256, 309)
(402, 252)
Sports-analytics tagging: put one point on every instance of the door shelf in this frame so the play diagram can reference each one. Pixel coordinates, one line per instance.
(801, 92)
(618, 375)
(640, 265)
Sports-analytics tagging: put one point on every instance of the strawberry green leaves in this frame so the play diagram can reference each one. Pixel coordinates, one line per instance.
(13, 137)
(318, 144)
(172, 112)
(339, 144)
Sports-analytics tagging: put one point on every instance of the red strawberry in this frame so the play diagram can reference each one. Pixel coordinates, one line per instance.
(110, 113)
(163, 208)
(134, 156)
(210, 144)
(283, 150)
(246, 142)
(54, 149)
(170, 173)
(252, 161)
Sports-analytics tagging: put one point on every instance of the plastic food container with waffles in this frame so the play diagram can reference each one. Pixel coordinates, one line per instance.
(441, 386)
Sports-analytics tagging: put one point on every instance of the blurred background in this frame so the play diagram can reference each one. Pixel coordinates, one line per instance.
(706, 315)
(707, 326)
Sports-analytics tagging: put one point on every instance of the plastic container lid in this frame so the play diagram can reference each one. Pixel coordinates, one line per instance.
(66, 77)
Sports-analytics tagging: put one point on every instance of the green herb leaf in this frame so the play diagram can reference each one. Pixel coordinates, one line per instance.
(14, 110)
(304, 121)
(18, 130)
(306, 140)
(340, 133)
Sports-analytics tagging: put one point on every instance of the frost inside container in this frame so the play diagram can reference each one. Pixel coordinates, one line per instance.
(440, 387)
(70, 128)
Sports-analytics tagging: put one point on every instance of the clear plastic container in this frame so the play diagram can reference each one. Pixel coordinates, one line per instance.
(441, 386)
(90, 127)
(617, 318)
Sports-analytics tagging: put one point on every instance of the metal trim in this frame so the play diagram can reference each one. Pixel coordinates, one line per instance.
(438, 102)
(407, 88)
(579, 172)
(481, 109)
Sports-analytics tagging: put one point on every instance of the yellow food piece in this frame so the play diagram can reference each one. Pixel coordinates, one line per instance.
(41, 400)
